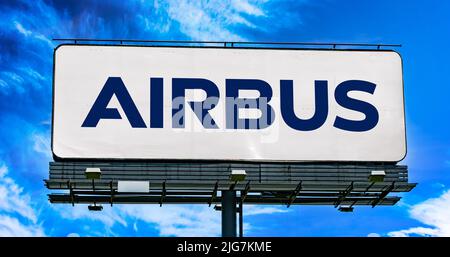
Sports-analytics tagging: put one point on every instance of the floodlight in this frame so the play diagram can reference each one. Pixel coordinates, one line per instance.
(93, 173)
(377, 176)
(345, 208)
(218, 207)
(238, 175)
(95, 207)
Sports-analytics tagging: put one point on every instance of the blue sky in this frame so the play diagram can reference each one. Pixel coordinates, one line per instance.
(26, 48)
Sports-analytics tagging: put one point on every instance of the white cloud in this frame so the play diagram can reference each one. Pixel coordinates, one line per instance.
(210, 20)
(169, 220)
(108, 216)
(26, 32)
(373, 235)
(245, 7)
(420, 231)
(435, 213)
(3, 84)
(32, 73)
(41, 144)
(15, 81)
(12, 227)
(172, 220)
(22, 30)
(12, 199)
(17, 217)
(135, 227)
(195, 220)
(250, 210)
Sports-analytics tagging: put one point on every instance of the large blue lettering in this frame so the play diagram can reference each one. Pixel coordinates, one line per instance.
(342, 98)
(234, 103)
(156, 102)
(200, 108)
(287, 106)
(113, 86)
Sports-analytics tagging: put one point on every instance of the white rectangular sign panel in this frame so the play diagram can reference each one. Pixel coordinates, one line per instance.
(133, 186)
(166, 103)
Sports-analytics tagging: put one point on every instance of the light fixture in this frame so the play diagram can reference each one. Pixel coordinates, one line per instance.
(345, 208)
(377, 176)
(218, 207)
(94, 207)
(93, 173)
(237, 175)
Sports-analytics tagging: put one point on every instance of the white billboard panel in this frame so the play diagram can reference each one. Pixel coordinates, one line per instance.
(134, 102)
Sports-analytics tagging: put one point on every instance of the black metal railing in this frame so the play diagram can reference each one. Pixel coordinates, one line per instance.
(233, 44)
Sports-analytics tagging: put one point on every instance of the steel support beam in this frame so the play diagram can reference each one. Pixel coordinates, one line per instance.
(229, 213)
(241, 216)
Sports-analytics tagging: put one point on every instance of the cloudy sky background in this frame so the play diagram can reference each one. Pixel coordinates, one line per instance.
(26, 48)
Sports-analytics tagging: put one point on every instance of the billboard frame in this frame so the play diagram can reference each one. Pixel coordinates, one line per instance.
(232, 45)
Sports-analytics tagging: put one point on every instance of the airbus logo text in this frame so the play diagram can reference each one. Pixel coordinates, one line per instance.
(115, 86)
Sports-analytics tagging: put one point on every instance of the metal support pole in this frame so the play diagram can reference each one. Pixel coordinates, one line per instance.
(229, 213)
(241, 217)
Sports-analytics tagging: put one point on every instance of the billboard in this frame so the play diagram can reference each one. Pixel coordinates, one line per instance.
(211, 103)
